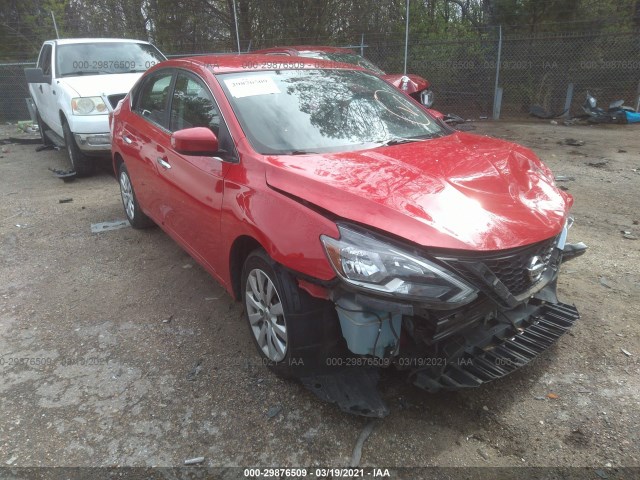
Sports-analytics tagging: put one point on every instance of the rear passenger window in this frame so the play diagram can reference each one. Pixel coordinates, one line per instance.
(153, 98)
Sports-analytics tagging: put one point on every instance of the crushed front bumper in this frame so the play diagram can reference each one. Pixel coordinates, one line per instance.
(508, 350)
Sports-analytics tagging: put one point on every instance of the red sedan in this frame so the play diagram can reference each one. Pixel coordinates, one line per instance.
(355, 229)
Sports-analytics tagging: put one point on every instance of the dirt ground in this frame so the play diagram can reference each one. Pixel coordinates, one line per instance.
(136, 357)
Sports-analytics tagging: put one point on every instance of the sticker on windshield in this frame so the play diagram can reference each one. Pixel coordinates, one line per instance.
(250, 86)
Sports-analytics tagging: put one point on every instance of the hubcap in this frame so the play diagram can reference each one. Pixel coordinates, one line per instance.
(127, 195)
(266, 316)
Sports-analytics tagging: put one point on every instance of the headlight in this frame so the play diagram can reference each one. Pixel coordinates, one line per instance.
(88, 106)
(371, 264)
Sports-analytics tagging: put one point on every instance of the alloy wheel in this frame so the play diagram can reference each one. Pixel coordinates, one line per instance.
(266, 315)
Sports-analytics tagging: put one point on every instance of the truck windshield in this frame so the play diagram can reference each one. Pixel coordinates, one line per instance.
(293, 112)
(105, 58)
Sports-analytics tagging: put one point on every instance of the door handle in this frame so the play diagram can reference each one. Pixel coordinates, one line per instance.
(127, 139)
(163, 163)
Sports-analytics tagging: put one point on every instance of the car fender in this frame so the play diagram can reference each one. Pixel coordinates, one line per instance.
(287, 228)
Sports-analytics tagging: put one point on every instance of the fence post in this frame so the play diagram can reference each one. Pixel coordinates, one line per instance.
(406, 39)
(235, 19)
(497, 102)
(567, 101)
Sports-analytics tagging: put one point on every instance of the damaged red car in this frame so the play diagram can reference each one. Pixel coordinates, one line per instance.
(358, 232)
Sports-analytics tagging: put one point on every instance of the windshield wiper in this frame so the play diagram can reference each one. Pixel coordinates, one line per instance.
(84, 72)
(301, 152)
(397, 141)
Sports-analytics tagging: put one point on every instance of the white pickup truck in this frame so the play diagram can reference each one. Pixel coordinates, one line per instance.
(75, 85)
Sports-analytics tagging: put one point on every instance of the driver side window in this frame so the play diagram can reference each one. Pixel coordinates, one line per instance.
(44, 62)
(193, 106)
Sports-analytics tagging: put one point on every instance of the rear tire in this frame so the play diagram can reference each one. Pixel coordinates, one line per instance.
(83, 165)
(132, 209)
(295, 333)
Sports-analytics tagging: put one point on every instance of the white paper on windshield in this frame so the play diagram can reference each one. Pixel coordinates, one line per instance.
(250, 86)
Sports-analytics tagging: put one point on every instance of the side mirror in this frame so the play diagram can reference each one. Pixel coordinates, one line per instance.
(35, 75)
(195, 141)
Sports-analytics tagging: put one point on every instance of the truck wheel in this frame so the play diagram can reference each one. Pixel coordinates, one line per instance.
(81, 163)
(295, 334)
(135, 215)
(42, 127)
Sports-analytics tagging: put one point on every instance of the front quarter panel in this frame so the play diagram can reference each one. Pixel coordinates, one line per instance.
(288, 230)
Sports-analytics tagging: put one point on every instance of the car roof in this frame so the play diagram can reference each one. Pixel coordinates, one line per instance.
(67, 41)
(256, 63)
(305, 48)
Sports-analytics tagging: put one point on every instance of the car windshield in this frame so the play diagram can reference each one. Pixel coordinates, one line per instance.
(101, 58)
(313, 111)
(342, 57)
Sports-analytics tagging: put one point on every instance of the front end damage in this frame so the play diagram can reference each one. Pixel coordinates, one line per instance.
(500, 312)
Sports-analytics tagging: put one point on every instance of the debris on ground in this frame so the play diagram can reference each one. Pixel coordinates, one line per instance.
(540, 112)
(168, 320)
(564, 178)
(626, 352)
(47, 147)
(605, 283)
(65, 200)
(600, 164)
(552, 396)
(194, 461)
(573, 142)
(107, 226)
(64, 175)
(602, 474)
(21, 141)
(483, 454)
(357, 450)
(273, 411)
(193, 373)
(628, 235)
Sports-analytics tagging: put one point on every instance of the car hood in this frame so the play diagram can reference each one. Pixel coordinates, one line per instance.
(98, 85)
(461, 191)
(415, 83)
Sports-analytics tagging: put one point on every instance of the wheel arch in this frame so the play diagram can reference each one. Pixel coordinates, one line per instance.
(240, 249)
(117, 161)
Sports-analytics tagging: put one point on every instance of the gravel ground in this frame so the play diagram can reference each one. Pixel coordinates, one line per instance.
(136, 357)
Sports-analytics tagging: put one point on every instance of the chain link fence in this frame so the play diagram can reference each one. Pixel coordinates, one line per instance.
(531, 70)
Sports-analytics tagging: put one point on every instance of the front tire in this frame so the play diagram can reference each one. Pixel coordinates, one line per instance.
(132, 209)
(81, 163)
(294, 333)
